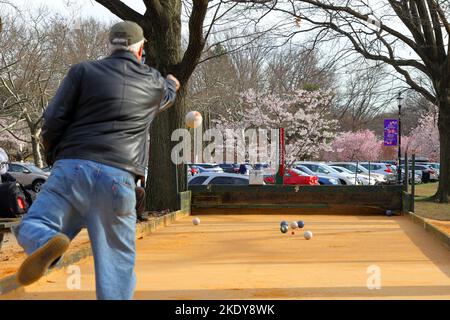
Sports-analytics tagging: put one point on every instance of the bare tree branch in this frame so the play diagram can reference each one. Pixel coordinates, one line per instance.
(121, 10)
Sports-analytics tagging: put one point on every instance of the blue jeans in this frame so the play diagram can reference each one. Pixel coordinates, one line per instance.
(82, 193)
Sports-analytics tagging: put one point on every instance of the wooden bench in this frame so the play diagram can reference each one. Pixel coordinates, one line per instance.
(6, 225)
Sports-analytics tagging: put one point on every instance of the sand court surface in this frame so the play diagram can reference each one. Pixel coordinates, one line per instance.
(247, 257)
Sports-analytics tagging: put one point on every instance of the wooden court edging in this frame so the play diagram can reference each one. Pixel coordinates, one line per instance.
(9, 284)
(304, 199)
(434, 231)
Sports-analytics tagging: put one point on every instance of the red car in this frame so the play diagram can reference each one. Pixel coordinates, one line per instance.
(194, 170)
(293, 176)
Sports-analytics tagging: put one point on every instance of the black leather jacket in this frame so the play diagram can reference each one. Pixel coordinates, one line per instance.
(102, 112)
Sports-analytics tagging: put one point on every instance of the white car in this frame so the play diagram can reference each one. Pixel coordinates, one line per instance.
(208, 178)
(365, 179)
(321, 168)
(375, 178)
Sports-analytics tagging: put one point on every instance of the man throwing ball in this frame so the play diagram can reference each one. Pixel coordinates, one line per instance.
(95, 133)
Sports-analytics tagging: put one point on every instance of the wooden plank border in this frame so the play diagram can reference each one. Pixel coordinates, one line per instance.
(438, 234)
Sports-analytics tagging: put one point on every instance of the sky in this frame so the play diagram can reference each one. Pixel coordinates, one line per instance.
(86, 8)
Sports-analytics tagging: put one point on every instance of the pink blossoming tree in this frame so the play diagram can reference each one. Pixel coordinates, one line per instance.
(355, 146)
(424, 139)
(309, 128)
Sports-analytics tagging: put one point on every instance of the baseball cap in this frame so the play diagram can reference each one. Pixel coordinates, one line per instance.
(126, 33)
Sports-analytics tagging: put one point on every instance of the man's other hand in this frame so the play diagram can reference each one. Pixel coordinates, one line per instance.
(171, 77)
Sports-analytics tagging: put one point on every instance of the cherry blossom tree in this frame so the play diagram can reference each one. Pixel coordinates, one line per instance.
(309, 128)
(424, 139)
(361, 145)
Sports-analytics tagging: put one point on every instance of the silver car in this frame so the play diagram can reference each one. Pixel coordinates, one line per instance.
(365, 179)
(436, 166)
(369, 177)
(28, 175)
(424, 167)
(322, 168)
(417, 176)
(381, 168)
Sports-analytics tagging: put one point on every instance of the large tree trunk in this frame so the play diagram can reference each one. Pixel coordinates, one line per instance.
(444, 135)
(163, 186)
(164, 53)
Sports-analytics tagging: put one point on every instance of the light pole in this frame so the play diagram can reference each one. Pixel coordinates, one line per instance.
(399, 171)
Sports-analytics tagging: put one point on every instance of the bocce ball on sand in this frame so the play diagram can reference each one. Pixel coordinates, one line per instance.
(294, 225)
(194, 119)
(308, 235)
(196, 221)
(300, 224)
(284, 228)
(284, 223)
(389, 213)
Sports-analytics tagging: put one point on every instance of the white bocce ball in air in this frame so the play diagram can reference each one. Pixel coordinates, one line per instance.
(194, 119)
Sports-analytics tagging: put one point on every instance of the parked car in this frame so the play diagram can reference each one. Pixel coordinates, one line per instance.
(434, 165)
(323, 179)
(261, 166)
(47, 169)
(192, 170)
(207, 167)
(378, 167)
(229, 167)
(245, 168)
(214, 178)
(358, 170)
(365, 179)
(427, 172)
(390, 171)
(28, 175)
(321, 168)
(293, 177)
(417, 176)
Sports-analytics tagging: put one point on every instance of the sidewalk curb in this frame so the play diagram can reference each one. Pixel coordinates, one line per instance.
(9, 284)
(443, 237)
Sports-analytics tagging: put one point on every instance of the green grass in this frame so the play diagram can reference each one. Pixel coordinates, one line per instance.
(427, 208)
(426, 190)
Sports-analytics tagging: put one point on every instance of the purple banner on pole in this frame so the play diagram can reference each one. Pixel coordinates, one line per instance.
(390, 132)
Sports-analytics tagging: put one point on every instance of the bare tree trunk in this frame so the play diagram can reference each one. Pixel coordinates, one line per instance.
(444, 136)
(162, 192)
(164, 53)
(35, 143)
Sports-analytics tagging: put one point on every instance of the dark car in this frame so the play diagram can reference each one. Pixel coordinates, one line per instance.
(261, 166)
(245, 168)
